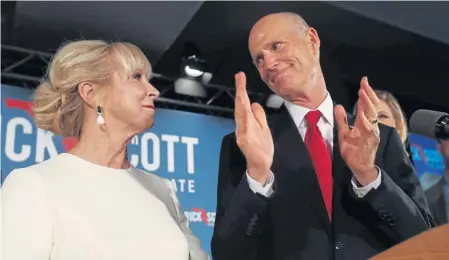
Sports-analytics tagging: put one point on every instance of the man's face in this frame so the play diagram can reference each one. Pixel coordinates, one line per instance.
(286, 55)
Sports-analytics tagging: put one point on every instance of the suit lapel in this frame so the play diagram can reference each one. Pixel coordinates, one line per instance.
(292, 164)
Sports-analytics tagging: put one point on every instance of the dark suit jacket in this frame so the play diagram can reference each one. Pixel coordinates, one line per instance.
(436, 201)
(408, 150)
(293, 223)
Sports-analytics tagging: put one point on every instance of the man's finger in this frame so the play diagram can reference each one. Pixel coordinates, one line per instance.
(260, 115)
(242, 101)
(370, 110)
(360, 109)
(341, 120)
(364, 84)
(364, 123)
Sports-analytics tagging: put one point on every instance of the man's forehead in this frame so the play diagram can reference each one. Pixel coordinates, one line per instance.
(269, 25)
(266, 32)
(272, 27)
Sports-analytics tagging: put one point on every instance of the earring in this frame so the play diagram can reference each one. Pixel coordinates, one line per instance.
(100, 118)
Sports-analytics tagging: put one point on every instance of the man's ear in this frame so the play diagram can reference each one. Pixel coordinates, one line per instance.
(314, 40)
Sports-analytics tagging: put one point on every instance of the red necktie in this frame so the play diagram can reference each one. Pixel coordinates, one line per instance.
(320, 158)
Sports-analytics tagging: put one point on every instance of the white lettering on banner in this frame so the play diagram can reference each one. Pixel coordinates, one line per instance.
(200, 215)
(180, 185)
(151, 167)
(190, 142)
(170, 139)
(149, 156)
(10, 139)
(44, 142)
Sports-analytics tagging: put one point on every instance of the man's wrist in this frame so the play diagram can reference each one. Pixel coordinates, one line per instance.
(259, 175)
(367, 176)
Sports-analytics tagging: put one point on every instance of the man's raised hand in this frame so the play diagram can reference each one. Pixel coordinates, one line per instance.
(252, 132)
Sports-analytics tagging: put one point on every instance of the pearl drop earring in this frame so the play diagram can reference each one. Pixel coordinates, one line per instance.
(100, 118)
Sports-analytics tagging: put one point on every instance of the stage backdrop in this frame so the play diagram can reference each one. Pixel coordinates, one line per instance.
(428, 161)
(183, 147)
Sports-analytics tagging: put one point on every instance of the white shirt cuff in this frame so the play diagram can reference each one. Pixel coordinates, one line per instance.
(266, 189)
(362, 191)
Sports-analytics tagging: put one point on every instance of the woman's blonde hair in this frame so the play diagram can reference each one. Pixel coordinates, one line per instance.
(57, 105)
(396, 110)
(398, 114)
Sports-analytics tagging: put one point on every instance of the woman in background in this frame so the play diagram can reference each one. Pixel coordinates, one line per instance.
(391, 114)
(91, 203)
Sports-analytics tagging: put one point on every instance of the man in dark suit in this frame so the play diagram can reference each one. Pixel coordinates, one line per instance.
(438, 194)
(310, 182)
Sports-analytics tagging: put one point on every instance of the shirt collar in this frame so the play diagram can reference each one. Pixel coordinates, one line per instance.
(298, 113)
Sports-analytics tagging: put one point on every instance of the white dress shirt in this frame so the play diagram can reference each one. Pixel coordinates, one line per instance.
(326, 126)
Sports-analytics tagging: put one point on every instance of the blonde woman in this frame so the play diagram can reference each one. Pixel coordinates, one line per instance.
(91, 203)
(390, 113)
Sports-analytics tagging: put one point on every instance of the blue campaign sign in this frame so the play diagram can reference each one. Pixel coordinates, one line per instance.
(182, 147)
(428, 162)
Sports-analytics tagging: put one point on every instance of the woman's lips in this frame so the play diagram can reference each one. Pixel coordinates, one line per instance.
(149, 106)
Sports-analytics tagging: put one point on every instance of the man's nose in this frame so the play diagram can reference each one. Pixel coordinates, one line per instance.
(270, 62)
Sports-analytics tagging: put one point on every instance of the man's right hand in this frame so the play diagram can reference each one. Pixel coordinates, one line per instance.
(253, 134)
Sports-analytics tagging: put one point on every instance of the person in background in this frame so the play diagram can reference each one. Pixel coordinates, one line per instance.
(391, 114)
(438, 194)
(91, 203)
(310, 182)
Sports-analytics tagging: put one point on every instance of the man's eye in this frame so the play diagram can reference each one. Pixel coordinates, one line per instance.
(277, 46)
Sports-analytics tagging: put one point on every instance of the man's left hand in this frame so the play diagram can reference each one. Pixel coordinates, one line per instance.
(358, 144)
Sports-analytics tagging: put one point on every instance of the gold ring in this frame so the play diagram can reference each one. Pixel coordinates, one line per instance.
(375, 121)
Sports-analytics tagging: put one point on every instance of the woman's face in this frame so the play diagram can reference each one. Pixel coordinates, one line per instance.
(129, 103)
(385, 115)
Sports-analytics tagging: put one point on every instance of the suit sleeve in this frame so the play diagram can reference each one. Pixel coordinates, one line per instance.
(195, 249)
(399, 201)
(240, 212)
(27, 219)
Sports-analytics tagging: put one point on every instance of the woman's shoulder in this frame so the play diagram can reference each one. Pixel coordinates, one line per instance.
(28, 181)
(160, 187)
(152, 178)
(35, 172)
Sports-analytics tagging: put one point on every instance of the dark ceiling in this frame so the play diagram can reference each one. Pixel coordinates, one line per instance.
(401, 47)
